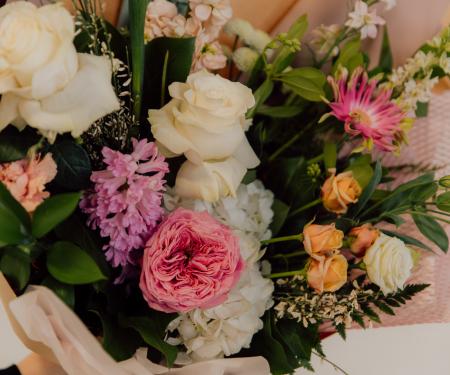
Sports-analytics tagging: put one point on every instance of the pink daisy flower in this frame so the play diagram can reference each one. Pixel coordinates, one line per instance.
(126, 201)
(367, 111)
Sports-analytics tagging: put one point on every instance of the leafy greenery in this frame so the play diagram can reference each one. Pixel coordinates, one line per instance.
(14, 144)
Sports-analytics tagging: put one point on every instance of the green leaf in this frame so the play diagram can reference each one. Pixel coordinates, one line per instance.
(74, 230)
(304, 87)
(69, 264)
(120, 343)
(340, 328)
(65, 292)
(330, 155)
(52, 212)
(312, 74)
(423, 193)
(153, 335)
(422, 109)
(74, 166)
(14, 144)
(261, 94)
(432, 230)
(370, 313)
(362, 170)
(249, 177)
(358, 319)
(16, 265)
(407, 239)
(280, 213)
(384, 307)
(283, 111)
(8, 202)
(285, 56)
(350, 56)
(369, 189)
(179, 52)
(11, 229)
(386, 60)
(443, 201)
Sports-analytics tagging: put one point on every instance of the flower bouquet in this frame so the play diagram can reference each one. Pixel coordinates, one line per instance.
(200, 215)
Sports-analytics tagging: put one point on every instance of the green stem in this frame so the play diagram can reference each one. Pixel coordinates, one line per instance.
(295, 237)
(137, 9)
(305, 207)
(291, 255)
(335, 366)
(338, 41)
(286, 274)
(439, 212)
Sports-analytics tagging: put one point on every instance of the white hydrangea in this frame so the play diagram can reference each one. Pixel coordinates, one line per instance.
(226, 329)
(250, 212)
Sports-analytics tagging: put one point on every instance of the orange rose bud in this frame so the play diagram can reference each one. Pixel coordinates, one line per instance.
(322, 239)
(361, 238)
(339, 191)
(328, 274)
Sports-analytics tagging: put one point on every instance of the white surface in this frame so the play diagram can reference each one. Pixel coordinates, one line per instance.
(408, 350)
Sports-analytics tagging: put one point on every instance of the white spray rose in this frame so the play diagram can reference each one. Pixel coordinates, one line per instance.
(389, 263)
(43, 81)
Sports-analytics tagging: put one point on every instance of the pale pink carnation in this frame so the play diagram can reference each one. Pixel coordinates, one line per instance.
(192, 261)
(126, 201)
(367, 111)
(26, 179)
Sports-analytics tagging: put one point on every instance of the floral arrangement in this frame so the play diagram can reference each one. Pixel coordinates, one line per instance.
(206, 201)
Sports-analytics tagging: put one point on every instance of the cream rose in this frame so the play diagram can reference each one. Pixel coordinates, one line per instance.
(206, 122)
(209, 181)
(389, 263)
(43, 81)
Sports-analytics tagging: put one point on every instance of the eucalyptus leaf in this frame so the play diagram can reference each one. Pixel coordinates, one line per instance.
(52, 212)
(70, 264)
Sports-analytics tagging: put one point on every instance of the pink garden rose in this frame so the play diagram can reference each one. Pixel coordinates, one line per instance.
(192, 261)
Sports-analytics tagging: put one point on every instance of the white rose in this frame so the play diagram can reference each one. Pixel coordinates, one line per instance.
(389, 263)
(205, 120)
(43, 81)
(209, 180)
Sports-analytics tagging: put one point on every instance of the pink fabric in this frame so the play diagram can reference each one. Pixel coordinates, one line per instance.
(428, 145)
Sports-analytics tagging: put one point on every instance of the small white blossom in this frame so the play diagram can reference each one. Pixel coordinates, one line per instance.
(444, 63)
(364, 21)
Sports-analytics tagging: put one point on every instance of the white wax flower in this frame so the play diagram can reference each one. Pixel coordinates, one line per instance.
(364, 21)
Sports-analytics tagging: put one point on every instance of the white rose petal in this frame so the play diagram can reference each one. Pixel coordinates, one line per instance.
(43, 81)
(389, 263)
(71, 109)
(209, 180)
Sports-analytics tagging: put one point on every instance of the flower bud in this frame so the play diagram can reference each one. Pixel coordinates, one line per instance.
(322, 239)
(361, 238)
(328, 274)
(339, 191)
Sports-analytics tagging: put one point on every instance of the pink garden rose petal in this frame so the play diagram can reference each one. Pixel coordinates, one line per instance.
(192, 261)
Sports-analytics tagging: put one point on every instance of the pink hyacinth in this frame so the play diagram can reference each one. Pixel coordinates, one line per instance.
(126, 201)
(367, 111)
(26, 179)
(192, 261)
